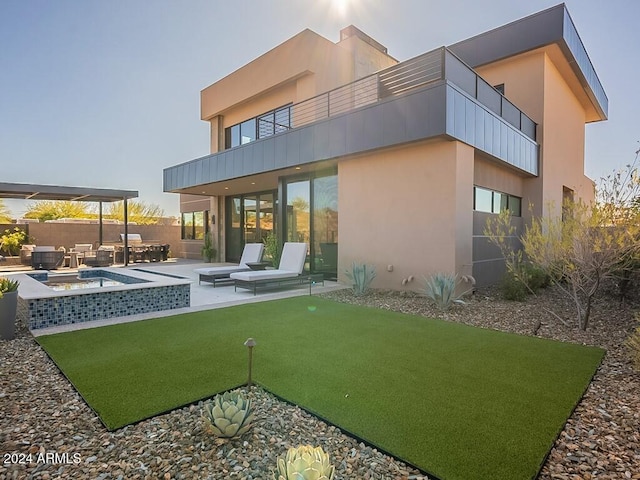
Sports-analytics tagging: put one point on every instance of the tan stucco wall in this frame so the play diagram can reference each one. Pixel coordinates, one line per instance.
(408, 207)
(535, 84)
(304, 54)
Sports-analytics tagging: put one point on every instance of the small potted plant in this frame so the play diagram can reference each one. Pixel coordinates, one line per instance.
(208, 249)
(8, 308)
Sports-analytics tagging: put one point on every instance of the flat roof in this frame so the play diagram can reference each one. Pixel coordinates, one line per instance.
(28, 191)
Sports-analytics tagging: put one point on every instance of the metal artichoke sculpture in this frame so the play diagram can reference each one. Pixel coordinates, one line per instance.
(228, 415)
(305, 463)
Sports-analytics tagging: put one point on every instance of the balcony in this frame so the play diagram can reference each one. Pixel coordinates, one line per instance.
(434, 94)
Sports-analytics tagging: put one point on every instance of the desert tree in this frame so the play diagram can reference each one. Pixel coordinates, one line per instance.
(137, 212)
(45, 210)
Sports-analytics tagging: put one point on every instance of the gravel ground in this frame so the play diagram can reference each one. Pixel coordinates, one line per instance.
(44, 417)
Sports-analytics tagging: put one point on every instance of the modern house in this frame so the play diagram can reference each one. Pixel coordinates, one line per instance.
(395, 164)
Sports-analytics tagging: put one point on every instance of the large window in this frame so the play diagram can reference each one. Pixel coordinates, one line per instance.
(265, 125)
(194, 225)
(490, 201)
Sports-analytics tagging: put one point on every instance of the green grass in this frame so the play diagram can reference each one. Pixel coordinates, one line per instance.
(457, 401)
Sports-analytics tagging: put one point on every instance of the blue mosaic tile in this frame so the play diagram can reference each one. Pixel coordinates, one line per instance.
(48, 312)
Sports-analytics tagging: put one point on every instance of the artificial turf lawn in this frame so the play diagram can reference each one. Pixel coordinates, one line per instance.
(457, 401)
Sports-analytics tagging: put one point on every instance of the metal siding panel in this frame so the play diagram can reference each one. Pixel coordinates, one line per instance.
(479, 130)
(435, 106)
(293, 148)
(487, 120)
(337, 136)
(372, 129)
(268, 159)
(281, 150)
(459, 115)
(393, 122)
(221, 166)
(356, 137)
(321, 145)
(306, 145)
(497, 142)
(504, 141)
(450, 111)
(470, 121)
(248, 159)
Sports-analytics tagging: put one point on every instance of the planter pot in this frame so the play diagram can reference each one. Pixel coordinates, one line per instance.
(8, 308)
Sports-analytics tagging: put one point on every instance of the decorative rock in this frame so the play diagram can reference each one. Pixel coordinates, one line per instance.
(43, 413)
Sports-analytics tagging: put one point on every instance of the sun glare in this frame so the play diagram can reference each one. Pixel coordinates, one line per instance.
(341, 6)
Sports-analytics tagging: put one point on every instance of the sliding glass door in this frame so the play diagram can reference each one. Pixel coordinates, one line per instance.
(249, 219)
(312, 218)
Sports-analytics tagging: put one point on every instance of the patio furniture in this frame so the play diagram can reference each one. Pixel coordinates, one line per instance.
(155, 253)
(46, 258)
(251, 253)
(80, 249)
(138, 253)
(103, 257)
(25, 254)
(289, 271)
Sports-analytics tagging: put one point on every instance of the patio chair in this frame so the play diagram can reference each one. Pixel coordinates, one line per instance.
(290, 269)
(252, 253)
(25, 254)
(103, 257)
(80, 249)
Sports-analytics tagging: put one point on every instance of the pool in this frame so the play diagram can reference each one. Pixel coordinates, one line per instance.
(95, 294)
(76, 283)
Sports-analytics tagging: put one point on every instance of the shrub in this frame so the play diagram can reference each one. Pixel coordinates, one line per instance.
(633, 342)
(11, 241)
(209, 251)
(228, 415)
(535, 277)
(441, 288)
(305, 462)
(272, 249)
(512, 288)
(361, 276)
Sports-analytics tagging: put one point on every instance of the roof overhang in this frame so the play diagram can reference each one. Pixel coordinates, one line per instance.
(551, 26)
(25, 191)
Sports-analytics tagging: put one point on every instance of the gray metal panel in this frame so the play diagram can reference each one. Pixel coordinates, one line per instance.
(393, 122)
(553, 25)
(338, 135)
(321, 144)
(268, 156)
(280, 149)
(293, 148)
(420, 114)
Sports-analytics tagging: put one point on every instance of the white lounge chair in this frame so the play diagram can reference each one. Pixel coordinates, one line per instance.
(252, 253)
(290, 269)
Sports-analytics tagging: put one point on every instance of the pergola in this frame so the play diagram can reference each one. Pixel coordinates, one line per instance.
(26, 191)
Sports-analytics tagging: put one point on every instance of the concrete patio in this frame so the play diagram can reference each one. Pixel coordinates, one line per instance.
(203, 297)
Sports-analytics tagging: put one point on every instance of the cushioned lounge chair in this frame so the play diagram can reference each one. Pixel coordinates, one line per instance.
(252, 253)
(290, 269)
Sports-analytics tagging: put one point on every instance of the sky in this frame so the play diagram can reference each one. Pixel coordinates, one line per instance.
(106, 93)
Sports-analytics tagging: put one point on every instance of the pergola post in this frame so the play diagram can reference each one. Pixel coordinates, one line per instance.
(126, 233)
(100, 215)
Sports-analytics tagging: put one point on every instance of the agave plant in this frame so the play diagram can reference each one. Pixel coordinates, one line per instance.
(7, 285)
(361, 276)
(441, 288)
(304, 463)
(228, 415)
